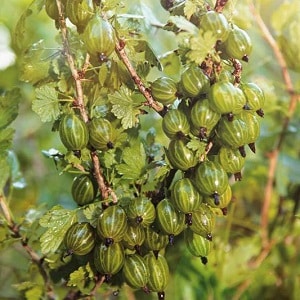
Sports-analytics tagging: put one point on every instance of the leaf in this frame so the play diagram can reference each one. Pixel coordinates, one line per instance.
(9, 107)
(81, 277)
(134, 158)
(35, 64)
(20, 31)
(125, 107)
(20, 36)
(92, 212)
(201, 45)
(183, 24)
(192, 6)
(46, 104)
(5, 171)
(57, 220)
(6, 137)
(197, 146)
(35, 293)
(171, 65)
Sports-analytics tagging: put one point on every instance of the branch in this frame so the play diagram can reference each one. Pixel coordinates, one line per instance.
(35, 258)
(78, 76)
(137, 80)
(274, 154)
(105, 190)
(71, 62)
(220, 5)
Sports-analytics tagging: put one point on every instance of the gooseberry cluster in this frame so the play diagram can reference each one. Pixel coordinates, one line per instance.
(208, 115)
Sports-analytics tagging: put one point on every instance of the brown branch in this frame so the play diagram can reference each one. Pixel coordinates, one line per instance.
(220, 5)
(268, 244)
(78, 76)
(137, 80)
(104, 189)
(71, 62)
(35, 258)
(98, 283)
(274, 154)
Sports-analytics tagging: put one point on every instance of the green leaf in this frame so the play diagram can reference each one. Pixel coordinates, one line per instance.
(125, 107)
(197, 146)
(46, 104)
(9, 107)
(20, 37)
(201, 45)
(192, 6)
(6, 137)
(183, 24)
(35, 293)
(81, 278)
(92, 212)
(5, 171)
(171, 65)
(57, 220)
(35, 64)
(134, 165)
(20, 31)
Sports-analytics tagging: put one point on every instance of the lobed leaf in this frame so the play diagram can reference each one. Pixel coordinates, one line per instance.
(192, 6)
(201, 45)
(134, 158)
(46, 104)
(125, 107)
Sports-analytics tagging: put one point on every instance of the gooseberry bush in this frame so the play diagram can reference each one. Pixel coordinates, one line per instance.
(138, 192)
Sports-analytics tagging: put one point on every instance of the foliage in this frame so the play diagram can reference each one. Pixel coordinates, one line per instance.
(254, 252)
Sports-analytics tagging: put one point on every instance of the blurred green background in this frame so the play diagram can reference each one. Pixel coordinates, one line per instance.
(230, 273)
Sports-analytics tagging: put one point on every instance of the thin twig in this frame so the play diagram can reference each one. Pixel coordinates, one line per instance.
(274, 154)
(35, 258)
(78, 76)
(99, 282)
(105, 190)
(268, 244)
(220, 5)
(71, 62)
(145, 91)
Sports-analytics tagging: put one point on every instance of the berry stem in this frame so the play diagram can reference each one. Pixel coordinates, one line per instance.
(138, 81)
